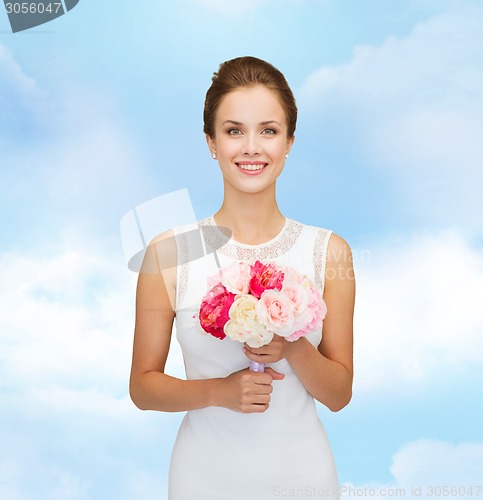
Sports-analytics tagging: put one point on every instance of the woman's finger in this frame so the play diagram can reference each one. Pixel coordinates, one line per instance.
(253, 353)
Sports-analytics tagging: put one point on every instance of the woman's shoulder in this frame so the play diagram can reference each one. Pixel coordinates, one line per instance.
(171, 234)
(338, 250)
(161, 252)
(336, 245)
(163, 236)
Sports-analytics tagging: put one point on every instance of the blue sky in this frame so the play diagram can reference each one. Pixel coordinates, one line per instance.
(101, 110)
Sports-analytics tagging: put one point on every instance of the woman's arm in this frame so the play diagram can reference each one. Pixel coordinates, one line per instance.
(327, 372)
(149, 387)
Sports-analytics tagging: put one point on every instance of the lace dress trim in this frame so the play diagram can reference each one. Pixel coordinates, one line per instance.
(320, 257)
(272, 249)
(183, 266)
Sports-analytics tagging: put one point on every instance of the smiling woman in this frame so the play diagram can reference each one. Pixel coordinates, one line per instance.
(247, 434)
(250, 144)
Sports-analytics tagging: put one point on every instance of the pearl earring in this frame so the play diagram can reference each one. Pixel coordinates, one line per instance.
(286, 156)
(213, 155)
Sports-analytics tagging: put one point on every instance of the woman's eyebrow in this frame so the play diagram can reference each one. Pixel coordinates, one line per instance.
(269, 122)
(261, 123)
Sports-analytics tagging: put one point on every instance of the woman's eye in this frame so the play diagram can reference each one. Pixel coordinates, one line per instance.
(269, 131)
(234, 131)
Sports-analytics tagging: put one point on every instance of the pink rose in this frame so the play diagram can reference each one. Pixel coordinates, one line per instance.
(214, 310)
(300, 298)
(264, 277)
(214, 280)
(276, 311)
(292, 275)
(297, 294)
(236, 278)
(318, 311)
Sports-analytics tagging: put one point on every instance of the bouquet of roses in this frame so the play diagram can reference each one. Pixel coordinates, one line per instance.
(252, 302)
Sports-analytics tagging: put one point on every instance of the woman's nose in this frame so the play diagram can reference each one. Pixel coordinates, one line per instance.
(251, 144)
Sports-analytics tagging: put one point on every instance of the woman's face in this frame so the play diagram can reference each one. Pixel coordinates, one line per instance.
(250, 138)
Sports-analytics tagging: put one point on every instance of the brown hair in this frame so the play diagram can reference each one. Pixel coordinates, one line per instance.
(247, 71)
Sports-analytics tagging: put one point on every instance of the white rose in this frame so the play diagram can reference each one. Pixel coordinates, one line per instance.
(244, 324)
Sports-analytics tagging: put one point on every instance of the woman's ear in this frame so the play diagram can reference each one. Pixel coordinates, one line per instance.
(211, 144)
(290, 142)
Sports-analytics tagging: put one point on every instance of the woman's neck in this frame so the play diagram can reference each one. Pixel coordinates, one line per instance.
(252, 218)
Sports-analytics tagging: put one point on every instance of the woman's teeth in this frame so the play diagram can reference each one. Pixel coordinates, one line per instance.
(252, 167)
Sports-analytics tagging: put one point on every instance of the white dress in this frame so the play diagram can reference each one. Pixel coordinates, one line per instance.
(220, 454)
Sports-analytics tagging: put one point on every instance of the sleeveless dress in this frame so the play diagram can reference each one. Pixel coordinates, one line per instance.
(220, 454)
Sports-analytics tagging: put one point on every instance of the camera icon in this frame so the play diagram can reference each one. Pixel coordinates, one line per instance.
(25, 15)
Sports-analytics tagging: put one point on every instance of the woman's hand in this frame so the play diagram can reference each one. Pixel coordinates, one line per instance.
(246, 391)
(276, 350)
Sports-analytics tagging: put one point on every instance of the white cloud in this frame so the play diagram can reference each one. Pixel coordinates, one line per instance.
(438, 462)
(418, 310)
(58, 319)
(70, 316)
(427, 469)
(413, 108)
(69, 427)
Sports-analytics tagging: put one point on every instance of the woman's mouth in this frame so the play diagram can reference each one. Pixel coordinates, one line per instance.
(251, 168)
